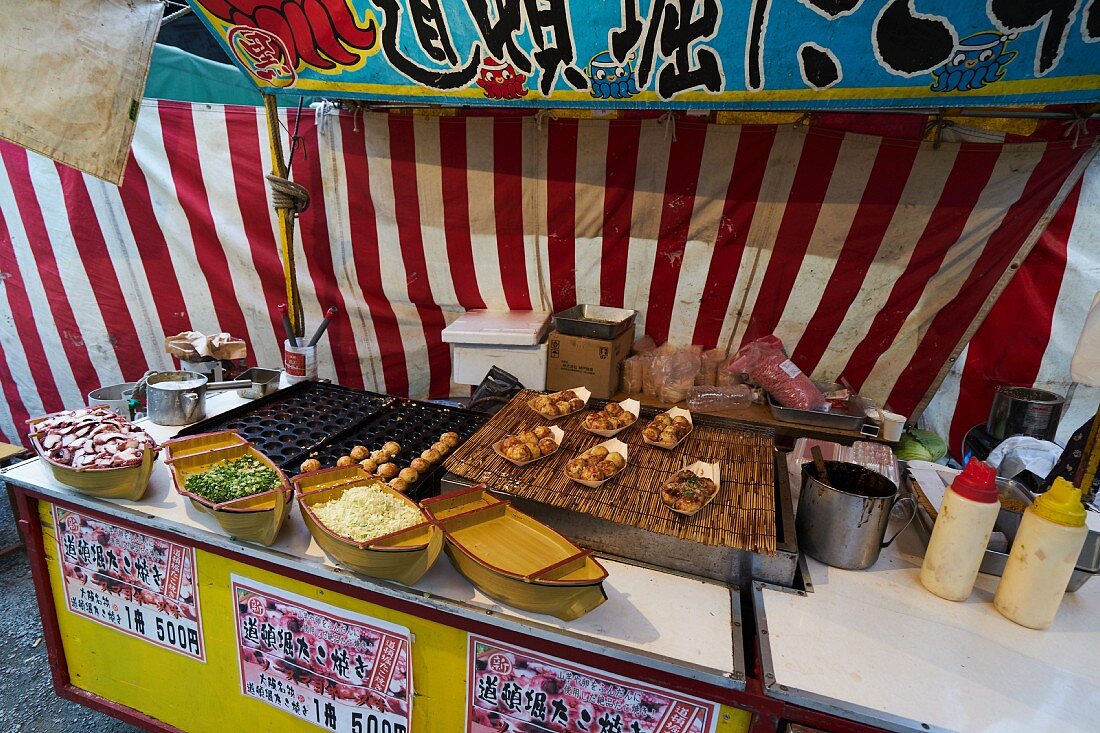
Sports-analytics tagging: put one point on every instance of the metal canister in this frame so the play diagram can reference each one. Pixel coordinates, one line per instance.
(1024, 411)
(842, 521)
(176, 398)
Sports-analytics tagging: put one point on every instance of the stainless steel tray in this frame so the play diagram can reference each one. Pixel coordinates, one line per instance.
(1088, 563)
(594, 321)
(852, 419)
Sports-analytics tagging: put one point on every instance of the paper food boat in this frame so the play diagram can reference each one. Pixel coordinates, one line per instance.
(514, 558)
(674, 412)
(632, 406)
(703, 470)
(614, 445)
(403, 556)
(558, 434)
(583, 392)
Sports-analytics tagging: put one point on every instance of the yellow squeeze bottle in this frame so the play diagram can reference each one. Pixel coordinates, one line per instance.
(1048, 543)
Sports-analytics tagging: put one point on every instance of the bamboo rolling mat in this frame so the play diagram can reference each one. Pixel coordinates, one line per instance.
(741, 516)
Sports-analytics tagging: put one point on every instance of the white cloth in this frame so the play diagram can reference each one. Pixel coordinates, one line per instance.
(1085, 365)
(1023, 453)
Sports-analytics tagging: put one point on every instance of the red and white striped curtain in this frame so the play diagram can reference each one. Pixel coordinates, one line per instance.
(870, 256)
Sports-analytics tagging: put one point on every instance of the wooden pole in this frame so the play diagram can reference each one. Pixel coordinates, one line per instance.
(286, 219)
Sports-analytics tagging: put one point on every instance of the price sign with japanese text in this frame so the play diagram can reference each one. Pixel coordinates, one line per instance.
(337, 669)
(515, 689)
(139, 584)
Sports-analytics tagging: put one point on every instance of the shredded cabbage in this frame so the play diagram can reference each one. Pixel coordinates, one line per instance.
(920, 445)
(365, 512)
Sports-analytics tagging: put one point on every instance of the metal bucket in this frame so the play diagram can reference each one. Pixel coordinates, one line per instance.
(115, 396)
(1024, 411)
(844, 527)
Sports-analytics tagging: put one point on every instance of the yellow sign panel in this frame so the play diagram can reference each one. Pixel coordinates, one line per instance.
(205, 697)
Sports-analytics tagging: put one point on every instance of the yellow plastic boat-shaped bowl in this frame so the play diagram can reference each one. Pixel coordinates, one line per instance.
(257, 518)
(516, 559)
(129, 482)
(403, 556)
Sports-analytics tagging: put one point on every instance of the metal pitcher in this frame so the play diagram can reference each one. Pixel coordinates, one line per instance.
(179, 398)
(842, 522)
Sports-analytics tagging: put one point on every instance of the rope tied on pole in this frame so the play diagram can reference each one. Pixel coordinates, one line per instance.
(286, 194)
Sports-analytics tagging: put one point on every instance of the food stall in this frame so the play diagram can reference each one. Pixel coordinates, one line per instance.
(621, 549)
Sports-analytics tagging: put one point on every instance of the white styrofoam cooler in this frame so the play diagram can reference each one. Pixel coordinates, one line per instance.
(511, 340)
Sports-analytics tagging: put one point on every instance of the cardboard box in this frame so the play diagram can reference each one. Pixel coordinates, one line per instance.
(575, 361)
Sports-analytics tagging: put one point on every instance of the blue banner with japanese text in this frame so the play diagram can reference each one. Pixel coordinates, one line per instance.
(707, 54)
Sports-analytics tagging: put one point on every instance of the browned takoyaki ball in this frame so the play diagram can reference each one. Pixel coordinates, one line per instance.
(431, 455)
(616, 459)
(380, 457)
(547, 446)
(388, 470)
(344, 461)
(369, 465)
(420, 465)
(542, 432)
(391, 448)
(310, 464)
(450, 439)
(398, 484)
(359, 453)
(409, 475)
(440, 447)
(519, 453)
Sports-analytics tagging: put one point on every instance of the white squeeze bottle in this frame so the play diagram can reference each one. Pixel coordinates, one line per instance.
(961, 532)
(1048, 543)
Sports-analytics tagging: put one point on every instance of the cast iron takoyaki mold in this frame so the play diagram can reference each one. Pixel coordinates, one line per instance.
(290, 421)
(415, 426)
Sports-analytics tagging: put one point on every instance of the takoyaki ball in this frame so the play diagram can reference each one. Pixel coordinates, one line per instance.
(450, 439)
(388, 470)
(562, 408)
(614, 408)
(606, 469)
(392, 448)
(591, 473)
(431, 456)
(681, 422)
(574, 468)
(359, 453)
(542, 432)
(440, 448)
(566, 395)
(597, 422)
(310, 464)
(369, 465)
(420, 465)
(398, 484)
(616, 459)
(669, 435)
(598, 451)
(651, 434)
(409, 475)
(661, 421)
(345, 461)
(510, 441)
(380, 456)
(547, 446)
(540, 403)
(576, 404)
(518, 453)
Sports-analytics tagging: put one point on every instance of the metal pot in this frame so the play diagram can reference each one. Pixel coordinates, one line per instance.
(843, 522)
(179, 398)
(1024, 411)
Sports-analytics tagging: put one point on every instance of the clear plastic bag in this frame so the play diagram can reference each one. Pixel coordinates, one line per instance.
(714, 399)
(633, 370)
(677, 375)
(767, 365)
(708, 373)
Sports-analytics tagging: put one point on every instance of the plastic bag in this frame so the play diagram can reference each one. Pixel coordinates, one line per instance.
(651, 364)
(713, 399)
(644, 345)
(766, 364)
(708, 373)
(633, 369)
(677, 374)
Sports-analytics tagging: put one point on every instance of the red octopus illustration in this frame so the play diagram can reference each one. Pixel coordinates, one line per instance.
(500, 80)
(322, 33)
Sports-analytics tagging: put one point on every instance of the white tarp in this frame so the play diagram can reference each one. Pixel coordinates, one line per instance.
(72, 75)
